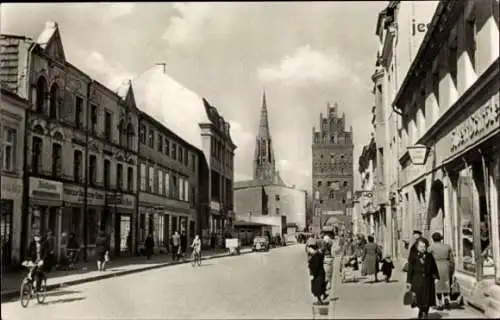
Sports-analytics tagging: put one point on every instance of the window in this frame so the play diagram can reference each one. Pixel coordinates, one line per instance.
(160, 143)
(277, 211)
(107, 125)
(9, 148)
(331, 195)
(151, 179)
(180, 154)
(193, 162)
(186, 190)
(54, 101)
(277, 197)
(130, 179)
(130, 136)
(142, 133)
(78, 111)
(175, 190)
(319, 183)
(143, 177)
(77, 165)
(41, 91)
(160, 182)
(167, 184)
(119, 176)
(93, 118)
(107, 173)
(174, 151)
(56, 160)
(346, 184)
(92, 170)
(167, 147)
(186, 157)
(181, 189)
(151, 138)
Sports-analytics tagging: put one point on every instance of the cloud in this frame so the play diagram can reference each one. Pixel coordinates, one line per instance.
(306, 66)
(117, 10)
(111, 74)
(186, 27)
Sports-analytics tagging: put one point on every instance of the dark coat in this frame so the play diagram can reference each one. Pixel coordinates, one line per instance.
(184, 242)
(422, 271)
(32, 251)
(149, 243)
(101, 245)
(317, 271)
(371, 258)
(413, 249)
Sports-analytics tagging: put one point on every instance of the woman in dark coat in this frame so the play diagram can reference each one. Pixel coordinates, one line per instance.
(422, 277)
(371, 257)
(317, 273)
(149, 245)
(102, 249)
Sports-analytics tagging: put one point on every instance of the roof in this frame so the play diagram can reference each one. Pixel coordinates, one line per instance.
(47, 33)
(171, 104)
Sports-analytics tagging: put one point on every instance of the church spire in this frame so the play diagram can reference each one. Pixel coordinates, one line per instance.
(264, 121)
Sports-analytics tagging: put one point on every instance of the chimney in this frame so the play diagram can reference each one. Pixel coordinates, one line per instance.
(163, 64)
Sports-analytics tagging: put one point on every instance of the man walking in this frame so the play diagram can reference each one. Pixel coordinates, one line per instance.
(176, 242)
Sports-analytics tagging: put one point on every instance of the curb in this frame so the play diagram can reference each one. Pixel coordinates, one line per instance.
(14, 294)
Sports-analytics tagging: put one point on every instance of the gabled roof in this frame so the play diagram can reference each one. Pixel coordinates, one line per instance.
(50, 38)
(170, 103)
(126, 93)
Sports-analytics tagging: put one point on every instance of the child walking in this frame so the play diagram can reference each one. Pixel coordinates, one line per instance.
(387, 267)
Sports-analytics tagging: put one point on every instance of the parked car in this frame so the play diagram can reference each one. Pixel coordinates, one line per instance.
(260, 244)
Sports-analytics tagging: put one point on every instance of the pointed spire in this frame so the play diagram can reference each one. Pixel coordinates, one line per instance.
(264, 121)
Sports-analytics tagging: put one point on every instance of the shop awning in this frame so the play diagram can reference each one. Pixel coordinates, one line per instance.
(241, 223)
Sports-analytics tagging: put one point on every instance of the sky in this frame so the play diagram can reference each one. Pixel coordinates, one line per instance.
(302, 54)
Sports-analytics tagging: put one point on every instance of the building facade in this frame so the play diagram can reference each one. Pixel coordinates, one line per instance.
(367, 216)
(199, 124)
(12, 129)
(168, 184)
(449, 143)
(87, 189)
(332, 163)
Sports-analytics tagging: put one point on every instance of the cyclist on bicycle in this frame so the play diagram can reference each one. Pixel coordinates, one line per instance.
(196, 245)
(37, 253)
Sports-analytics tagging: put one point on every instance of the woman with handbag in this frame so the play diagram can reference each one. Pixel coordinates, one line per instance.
(421, 278)
(443, 254)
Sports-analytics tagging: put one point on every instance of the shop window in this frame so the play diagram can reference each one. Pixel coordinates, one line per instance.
(36, 155)
(91, 226)
(161, 230)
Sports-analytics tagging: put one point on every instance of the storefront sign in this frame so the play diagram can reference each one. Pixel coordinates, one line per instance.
(482, 122)
(11, 188)
(76, 194)
(46, 189)
(418, 154)
(214, 205)
(121, 200)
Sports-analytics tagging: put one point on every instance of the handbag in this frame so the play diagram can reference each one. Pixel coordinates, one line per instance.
(410, 299)
(454, 290)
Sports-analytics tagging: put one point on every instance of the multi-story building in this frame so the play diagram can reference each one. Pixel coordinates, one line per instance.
(449, 143)
(332, 163)
(168, 183)
(201, 126)
(266, 198)
(79, 135)
(12, 128)
(366, 217)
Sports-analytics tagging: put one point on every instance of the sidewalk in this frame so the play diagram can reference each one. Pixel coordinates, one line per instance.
(121, 266)
(382, 300)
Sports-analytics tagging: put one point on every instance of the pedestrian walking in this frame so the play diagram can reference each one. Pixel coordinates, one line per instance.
(175, 241)
(443, 254)
(371, 257)
(387, 266)
(317, 274)
(184, 242)
(149, 244)
(102, 250)
(421, 278)
(50, 243)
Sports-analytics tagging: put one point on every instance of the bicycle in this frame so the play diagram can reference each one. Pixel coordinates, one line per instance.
(27, 286)
(196, 258)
